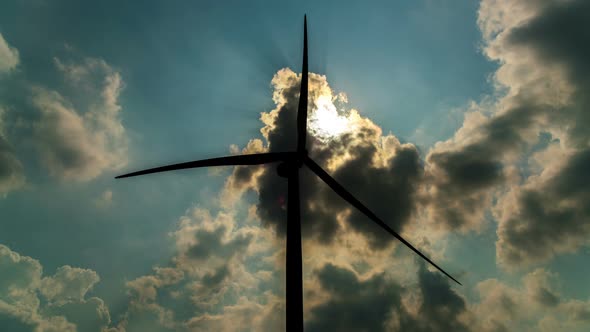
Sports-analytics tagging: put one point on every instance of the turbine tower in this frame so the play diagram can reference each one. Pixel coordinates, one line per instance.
(290, 163)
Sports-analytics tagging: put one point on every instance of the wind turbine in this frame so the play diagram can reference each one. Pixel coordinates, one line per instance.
(290, 162)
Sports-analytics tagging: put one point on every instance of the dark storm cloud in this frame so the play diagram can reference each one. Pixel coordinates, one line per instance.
(542, 49)
(559, 35)
(388, 187)
(553, 216)
(460, 189)
(441, 307)
(550, 214)
(462, 178)
(546, 297)
(389, 191)
(375, 304)
(354, 305)
(468, 169)
(474, 166)
(211, 243)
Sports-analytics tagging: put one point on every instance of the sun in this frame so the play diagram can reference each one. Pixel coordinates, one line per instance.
(325, 122)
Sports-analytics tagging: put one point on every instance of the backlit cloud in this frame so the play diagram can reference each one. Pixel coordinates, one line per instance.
(9, 58)
(517, 168)
(80, 142)
(380, 170)
(31, 302)
(544, 65)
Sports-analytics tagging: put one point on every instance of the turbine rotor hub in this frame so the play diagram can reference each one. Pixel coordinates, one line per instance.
(288, 168)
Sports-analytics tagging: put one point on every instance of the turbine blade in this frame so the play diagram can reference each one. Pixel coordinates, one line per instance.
(302, 109)
(246, 159)
(347, 196)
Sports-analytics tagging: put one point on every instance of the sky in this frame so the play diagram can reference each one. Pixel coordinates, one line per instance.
(462, 124)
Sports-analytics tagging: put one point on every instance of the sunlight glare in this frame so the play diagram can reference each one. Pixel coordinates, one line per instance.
(325, 123)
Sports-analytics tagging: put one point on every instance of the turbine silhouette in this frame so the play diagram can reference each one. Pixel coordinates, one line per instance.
(290, 162)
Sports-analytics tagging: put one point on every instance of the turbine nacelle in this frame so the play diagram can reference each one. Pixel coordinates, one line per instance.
(288, 167)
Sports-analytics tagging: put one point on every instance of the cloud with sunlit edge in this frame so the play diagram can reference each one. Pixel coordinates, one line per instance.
(517, 166)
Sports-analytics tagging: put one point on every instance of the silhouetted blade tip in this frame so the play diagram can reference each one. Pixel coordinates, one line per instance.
(237, 160)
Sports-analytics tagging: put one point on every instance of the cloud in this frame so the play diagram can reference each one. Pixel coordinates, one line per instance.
(536, 304)
(244, 314)
(549, 214)
(467, 170)
(105, 199)
(227, 272)
(543, 214)
(68, 284)
(220, 279)
(11, 169)
(8, 56)
(79, 143)
(29, 301)
(377, 168)
(353, 304)
(379, 303)
(499, 164)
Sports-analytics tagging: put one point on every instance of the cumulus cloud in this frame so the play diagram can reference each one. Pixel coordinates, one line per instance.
(496, 165)
(345, 300)
(226, 277)
(29, 301)
(80, 142)
(377, 168)
(499, 164)
(11, 169)
(379, 303)
(68, 284)
(536, 304)
(221, 278)
(8, 56)
(549, 214)
(545, 214)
